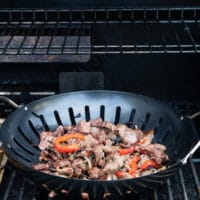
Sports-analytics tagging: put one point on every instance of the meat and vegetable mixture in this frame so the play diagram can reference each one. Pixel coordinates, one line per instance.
(100, 150)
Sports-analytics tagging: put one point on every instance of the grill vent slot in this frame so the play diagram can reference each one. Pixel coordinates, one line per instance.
(131, 118)
(71, 116)
(33, 128)
(147, 118)
(28, 140)
(102, 112)
(20, 155)
(57, 117)
(24, 136)
(44, 122)
(21, 146)
(87, 113)
(160, 121)
(117, 115)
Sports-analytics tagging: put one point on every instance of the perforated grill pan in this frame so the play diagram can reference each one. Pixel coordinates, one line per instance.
(20, 136)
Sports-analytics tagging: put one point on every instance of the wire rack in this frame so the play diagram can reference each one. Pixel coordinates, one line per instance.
(75, 35)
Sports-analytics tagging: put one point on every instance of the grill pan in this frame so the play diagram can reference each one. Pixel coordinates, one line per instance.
(20, 136)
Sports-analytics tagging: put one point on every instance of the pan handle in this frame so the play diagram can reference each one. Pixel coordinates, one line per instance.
(10, 102)
(191, 152)
(194, 149)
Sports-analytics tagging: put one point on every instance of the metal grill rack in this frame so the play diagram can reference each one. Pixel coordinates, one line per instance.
(74, 35)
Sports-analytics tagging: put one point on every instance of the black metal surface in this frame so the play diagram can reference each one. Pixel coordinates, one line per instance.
(74, 35)
(20, 136)
(96, 4)
(173, 189)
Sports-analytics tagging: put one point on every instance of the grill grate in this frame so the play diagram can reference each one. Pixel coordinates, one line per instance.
(184, 185)
(56, 35)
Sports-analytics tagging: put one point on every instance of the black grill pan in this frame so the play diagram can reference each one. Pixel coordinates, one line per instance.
(20, 136)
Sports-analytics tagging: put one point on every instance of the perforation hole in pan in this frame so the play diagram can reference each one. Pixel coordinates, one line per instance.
(23, 147)
(160, 121)
(117, 115)
(57, 117)
(71, 116)
(146, 121)
(164, 136)
(87, 113)
(158, 129)
(20, 155)
(27, 139)
(102, 112)
(44, 123)
(131, 118)
(33, 129)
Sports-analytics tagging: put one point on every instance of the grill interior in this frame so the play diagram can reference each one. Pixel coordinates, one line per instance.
(56, 35)
(151, 49)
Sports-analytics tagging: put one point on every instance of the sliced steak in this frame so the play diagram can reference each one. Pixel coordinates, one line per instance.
(157, 152)
(94, 173)
(128, 135)
(58, 132)
(83, 127)
(41, 166)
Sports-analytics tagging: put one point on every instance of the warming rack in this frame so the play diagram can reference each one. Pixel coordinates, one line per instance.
(64, 35)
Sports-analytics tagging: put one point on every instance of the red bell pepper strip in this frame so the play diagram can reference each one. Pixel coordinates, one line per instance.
(149, 163)
(126, 151)
(62, 147)
(133, 164)
(119, 173)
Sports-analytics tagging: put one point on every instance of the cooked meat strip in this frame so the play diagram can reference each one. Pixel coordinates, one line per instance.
(113, 136)
(89, 142)
(128, 135)
(43, 155)
(46, 142)
(108, 125)
(85, 196)
(83, 127)
(106, 195)
(99, 156)
(94, 172)
(77, 172)
(79, 163)
(69, 128)
(157, 152)
(96, 123)
(114, 162)
(62, 163)
(44, 134)
(101, 137)
(110, 177)
(148, 137)
(102, 124)
(64, 191)
(41, 166)
(58, 132)
(87, 161)
(52, 194)
(68, 171)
